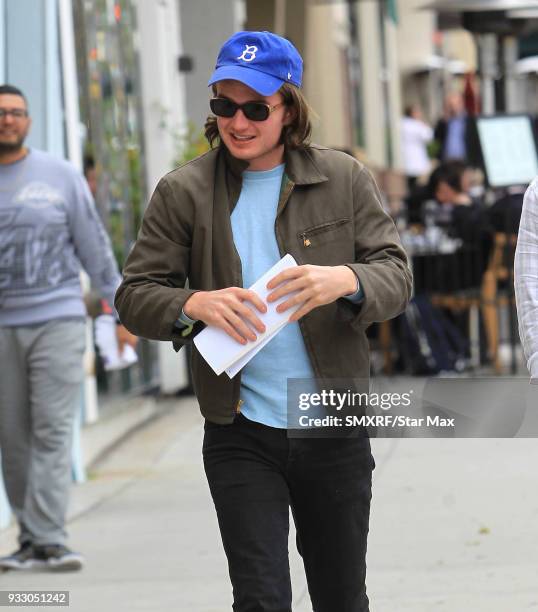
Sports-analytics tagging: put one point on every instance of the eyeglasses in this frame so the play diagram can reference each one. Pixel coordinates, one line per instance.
(16, 113)
(255, 111)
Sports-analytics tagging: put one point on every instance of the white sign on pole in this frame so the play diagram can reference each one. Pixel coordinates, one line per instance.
(509, 150)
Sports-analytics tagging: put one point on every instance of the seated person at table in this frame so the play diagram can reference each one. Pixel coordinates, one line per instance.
(449, 184)
(466, 217)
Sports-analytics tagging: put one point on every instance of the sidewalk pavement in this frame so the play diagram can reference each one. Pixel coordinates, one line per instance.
(454, 527)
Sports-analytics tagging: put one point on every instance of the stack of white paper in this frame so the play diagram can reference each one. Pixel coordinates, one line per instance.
(105, 338)
(223, 353)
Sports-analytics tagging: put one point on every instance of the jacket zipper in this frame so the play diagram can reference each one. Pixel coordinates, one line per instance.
(317, 229)
(284, 198)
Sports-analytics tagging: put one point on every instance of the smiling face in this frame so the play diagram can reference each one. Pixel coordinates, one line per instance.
(13, 130)
(257, 142)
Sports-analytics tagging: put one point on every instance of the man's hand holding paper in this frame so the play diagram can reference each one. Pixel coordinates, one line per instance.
(311, 286)
(221, 349)
(230, 309)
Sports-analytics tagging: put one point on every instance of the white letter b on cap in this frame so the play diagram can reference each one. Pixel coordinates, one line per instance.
(250, 51)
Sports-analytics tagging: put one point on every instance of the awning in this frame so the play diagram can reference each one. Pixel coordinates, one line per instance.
(458, 6)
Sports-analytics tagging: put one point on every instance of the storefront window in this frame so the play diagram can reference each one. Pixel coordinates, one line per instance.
(107, 62)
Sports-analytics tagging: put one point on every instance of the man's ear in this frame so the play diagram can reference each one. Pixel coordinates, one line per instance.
(289, 115)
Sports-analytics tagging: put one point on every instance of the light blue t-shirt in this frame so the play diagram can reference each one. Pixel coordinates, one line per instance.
(264, 378)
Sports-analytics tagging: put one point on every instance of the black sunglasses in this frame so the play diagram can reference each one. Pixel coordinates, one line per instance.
(255, 111)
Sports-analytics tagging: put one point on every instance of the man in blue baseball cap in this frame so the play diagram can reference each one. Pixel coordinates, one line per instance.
(221, 221)
(254, 67)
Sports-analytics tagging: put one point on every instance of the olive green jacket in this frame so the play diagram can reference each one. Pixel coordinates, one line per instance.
(329, 213)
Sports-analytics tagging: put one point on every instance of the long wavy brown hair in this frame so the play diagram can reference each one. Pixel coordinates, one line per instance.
(296, 135)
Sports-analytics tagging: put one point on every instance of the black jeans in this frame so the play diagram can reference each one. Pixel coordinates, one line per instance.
(255, 474)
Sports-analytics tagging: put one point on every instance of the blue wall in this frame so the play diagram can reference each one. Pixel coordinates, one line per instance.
(30, 56)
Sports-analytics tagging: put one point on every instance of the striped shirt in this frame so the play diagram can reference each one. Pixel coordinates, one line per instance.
(526, 278)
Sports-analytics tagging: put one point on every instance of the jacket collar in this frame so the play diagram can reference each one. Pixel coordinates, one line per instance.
(300, 166)
(301, 169)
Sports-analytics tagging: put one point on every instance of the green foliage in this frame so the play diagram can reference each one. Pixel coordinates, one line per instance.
(189, 144)
(135, 172)
(433, 148)
(117, 236)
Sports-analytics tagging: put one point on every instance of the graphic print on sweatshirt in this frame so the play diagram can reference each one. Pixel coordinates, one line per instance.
(35, 250)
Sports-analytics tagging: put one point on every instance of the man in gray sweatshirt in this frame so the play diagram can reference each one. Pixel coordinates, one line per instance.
(49, 228)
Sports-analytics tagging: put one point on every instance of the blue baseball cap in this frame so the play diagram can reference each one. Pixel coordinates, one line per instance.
(262, 60)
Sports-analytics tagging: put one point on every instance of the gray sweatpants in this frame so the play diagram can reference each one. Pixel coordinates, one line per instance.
(40, 384)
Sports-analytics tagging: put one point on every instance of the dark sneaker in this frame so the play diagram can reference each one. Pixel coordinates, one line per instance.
(58, 557)
(24, 558)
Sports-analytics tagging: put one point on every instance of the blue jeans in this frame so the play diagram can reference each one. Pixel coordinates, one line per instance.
(255, 474)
